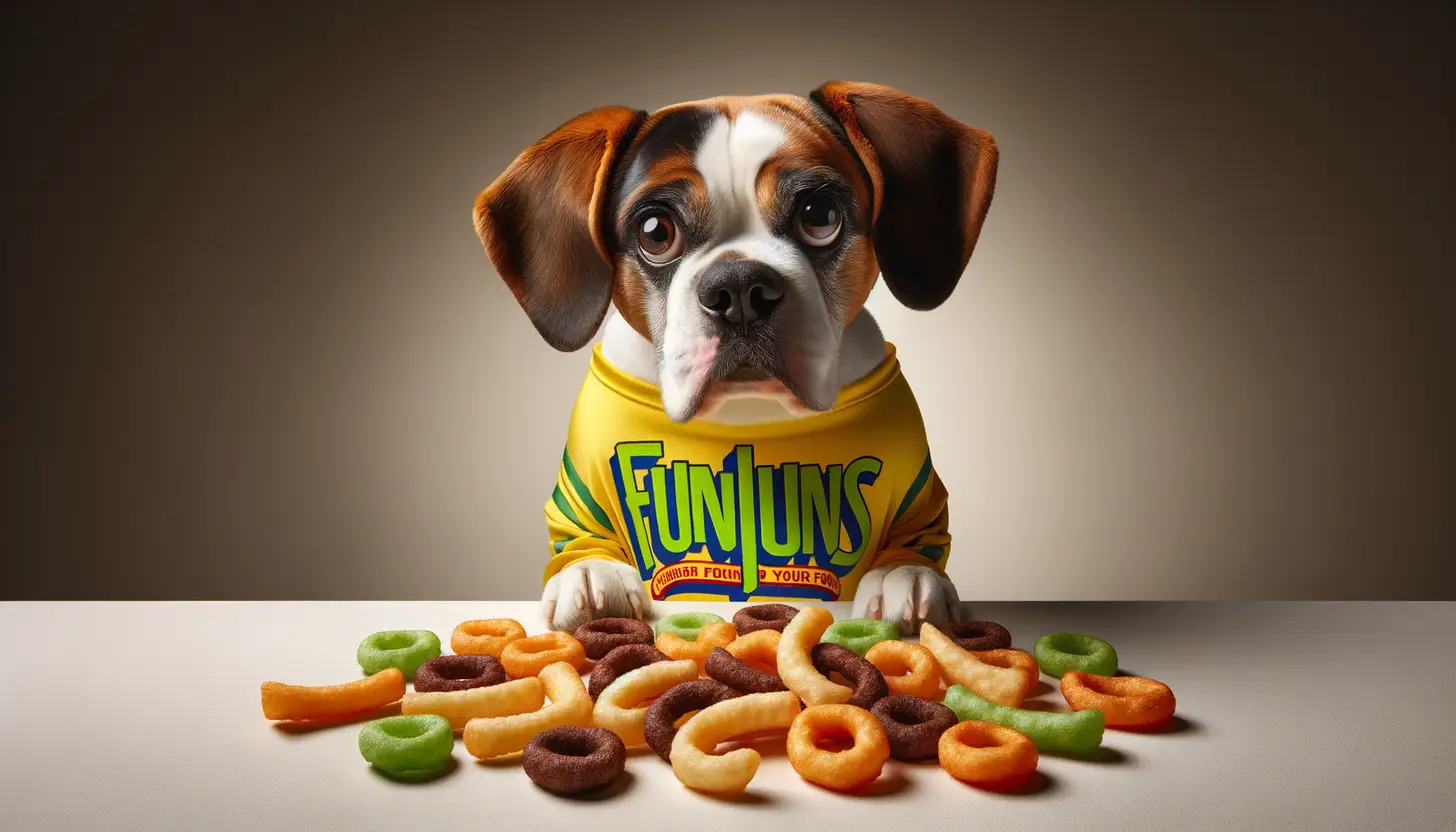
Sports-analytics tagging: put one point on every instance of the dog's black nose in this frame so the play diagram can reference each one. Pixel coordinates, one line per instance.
(739, 292)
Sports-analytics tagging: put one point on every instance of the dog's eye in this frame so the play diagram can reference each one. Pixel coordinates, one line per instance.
(819, 221)
(658, 238)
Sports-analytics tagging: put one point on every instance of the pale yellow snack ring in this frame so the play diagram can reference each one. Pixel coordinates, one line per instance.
(518, 696)
(692, 759)
(1002, 685)
(797, 669)
(622, 707)
(487, 737)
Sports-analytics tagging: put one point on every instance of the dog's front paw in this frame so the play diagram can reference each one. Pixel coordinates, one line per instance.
(591, 589)
(907, 595)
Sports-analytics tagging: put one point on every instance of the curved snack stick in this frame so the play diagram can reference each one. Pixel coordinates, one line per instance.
(691, 757)
(710, 635)
(796, 667)
(302, 702)
(518, 696)
(1002, 685)
(1077, 732)
(500, 735)
(622, 707)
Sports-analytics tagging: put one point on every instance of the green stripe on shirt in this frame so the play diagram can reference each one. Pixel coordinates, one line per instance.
(915, 487)
(584, 493)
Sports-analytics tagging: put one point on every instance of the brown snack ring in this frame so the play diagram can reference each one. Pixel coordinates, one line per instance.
(459, 673)
(667, 709)
(979, 635)
(763, 617)
(571, 760)
(869, 682)
(735, 673)
(913, 725)
(599, 637)
(619, 660)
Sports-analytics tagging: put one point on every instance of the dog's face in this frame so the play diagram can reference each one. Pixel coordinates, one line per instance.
(740, 235)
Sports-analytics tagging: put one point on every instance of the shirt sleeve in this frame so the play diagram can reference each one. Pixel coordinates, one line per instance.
(578, 525)
(920, 532)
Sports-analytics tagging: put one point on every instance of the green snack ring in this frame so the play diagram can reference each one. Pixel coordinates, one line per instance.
(1059, 652)
(404, 649)
(860, 634)
(1075, 732)
(686, 624)
(414, 747)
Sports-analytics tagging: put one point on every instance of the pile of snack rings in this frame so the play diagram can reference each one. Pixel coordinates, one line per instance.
(696, 681)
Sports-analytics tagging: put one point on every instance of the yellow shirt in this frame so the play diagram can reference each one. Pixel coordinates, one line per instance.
(796, 510)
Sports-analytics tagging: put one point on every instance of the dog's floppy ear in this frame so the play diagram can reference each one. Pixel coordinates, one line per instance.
(541, 223)
(932, 177)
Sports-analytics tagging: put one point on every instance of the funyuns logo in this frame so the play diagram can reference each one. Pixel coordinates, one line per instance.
(792, 529)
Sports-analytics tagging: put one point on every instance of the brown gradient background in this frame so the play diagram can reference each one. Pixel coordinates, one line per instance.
(253, 348)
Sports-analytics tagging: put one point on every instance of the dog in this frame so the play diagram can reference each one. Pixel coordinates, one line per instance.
(744, 431)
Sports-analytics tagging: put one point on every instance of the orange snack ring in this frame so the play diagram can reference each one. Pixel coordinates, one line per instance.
(840, 770)
(487, 737)
(518, 696)
(1001, 685)
(304, 702)
(909, 669)
(759, 650)
(1015, 660)
(987, 754)
(716, 634)
(1126, 701)
(795, 666)
(527, 656)
(485, 636)
(692, 757)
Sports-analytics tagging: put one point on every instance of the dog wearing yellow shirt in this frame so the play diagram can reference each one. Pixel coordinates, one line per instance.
(744, 432)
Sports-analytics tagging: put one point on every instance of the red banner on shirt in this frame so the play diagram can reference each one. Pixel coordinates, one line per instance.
(707, 576)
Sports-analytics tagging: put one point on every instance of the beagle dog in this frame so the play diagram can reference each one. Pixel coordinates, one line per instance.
(724, 249)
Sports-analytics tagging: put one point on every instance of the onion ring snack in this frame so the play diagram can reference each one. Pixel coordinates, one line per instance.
(622, 707)
(913, 725)
(571, 760)
(869, 683)
(987, 754)
(598, 637)
(411, 747)
(527, 656)
(860, 634)
(619, 660)
(735, 673)
(909, 669)
(518, 696)
(691, 757)
(979, 635)
(1059, 652)
(796, 667)
(841, 770)
(459, 673)
(685, 625)
(660, 726)
(1075, 733)
(1002, 685)
(404, 649)
(713, 634)
(304, 702)
(760, 617)
(485, 636)
(1126, 701)
(499, 735)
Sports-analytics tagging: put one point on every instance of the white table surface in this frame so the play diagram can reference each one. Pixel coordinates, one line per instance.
(146, 716)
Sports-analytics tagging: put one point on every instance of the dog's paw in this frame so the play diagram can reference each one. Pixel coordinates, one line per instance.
(907, 595)
(591, 589)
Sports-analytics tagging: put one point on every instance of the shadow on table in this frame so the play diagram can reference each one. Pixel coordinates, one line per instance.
(418, 778)
(1176, 725)
(1038, 784)
(624, 783)
(1103, 755)
(302, 727)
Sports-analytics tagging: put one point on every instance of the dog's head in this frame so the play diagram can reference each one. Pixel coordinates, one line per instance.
(740, 235)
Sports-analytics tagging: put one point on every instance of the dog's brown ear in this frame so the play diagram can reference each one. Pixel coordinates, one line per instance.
(542, 224)
(932, 177)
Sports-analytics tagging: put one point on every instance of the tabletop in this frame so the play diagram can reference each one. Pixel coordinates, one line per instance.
(146, 716)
